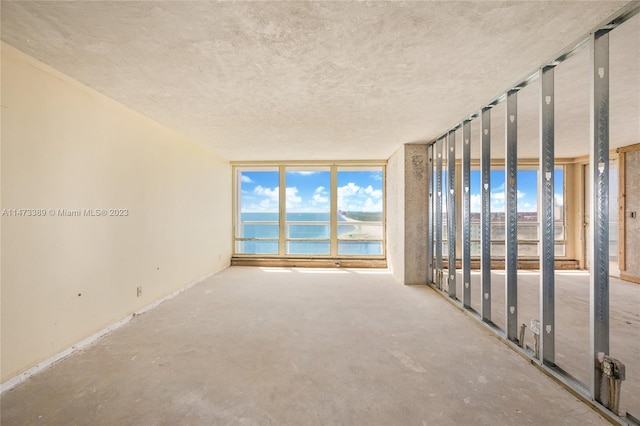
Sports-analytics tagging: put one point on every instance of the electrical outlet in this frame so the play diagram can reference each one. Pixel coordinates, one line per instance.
(633, 215)
(139, 291)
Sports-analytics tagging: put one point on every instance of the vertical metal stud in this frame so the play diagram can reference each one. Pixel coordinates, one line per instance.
(485, 215)
(438, 212)
(466, 214)
(511, 214)
(547, 251)
(430, 209)
(599, 233)
(451, 211)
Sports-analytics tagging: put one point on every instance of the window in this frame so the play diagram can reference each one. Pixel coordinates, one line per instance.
(308, 211)
(528, 224)
(257, 226)
(359, 215)
(324, 211)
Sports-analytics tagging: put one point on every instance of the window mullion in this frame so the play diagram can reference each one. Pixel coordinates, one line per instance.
(333, 197)
(282, 210)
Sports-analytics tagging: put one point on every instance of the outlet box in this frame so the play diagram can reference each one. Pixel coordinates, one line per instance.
(139, 291)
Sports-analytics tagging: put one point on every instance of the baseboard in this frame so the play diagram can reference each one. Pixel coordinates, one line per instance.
(629, 278)
(16, 380)
(308, 263)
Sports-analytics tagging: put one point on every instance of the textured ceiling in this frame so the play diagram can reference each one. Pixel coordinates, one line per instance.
(302, 80)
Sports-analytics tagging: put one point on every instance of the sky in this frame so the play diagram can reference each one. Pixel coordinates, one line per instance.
(308, 191)
(527, 190)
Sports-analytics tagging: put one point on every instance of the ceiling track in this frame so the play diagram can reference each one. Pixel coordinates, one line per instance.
(620, 17)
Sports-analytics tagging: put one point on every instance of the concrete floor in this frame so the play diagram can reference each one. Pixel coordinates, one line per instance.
(297, 347)
(572, 322)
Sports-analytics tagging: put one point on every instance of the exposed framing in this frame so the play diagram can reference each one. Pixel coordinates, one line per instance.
(545, 204)
(622, 211)
(598, 163)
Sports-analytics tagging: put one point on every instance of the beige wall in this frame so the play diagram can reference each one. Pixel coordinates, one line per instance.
(395, 213)
(407, 214)
(65, 146)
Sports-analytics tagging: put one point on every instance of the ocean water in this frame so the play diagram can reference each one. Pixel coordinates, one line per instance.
(299, 225)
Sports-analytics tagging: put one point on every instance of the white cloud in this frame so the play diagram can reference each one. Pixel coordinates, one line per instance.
(374, 193)
(372, 206)
(476, 202)
(352, 197)
(502, 195)
(348, 190)
(267, 192)
(246, 179)
(293, 199)
(303, 173)
(497, 196)
(319, 199)
(526, 207)
(320, 190)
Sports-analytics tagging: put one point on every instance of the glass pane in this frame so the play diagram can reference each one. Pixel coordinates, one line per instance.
(558, 196)
(527, 230)
(497, 249)
(259, 202)
(258, 225)
(475, 248)
(475, 230)
(308, 209)
(307, 229)
(560, 249)
(497, 230)
(257, 247)
(360, 203)
(360, 231)
(308, 247)
(360, 248)
(528, 249)
(527, 195)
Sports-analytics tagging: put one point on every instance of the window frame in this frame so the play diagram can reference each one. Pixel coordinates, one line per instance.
(282, 167)
(524, 165)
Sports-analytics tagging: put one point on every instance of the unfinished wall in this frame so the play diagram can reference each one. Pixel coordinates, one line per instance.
(69, 154)
(632, 215)
(395, 213)
(407, 179)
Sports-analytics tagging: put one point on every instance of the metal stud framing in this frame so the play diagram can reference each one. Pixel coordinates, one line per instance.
(451, 211)
(599, 208)
(438, 213)
(466, 214)
(511, 208)
(485, 215)
(547, 251)
(430, 210)
(599, 163)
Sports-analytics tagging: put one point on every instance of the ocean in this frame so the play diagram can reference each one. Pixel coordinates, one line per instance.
(303, 226)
